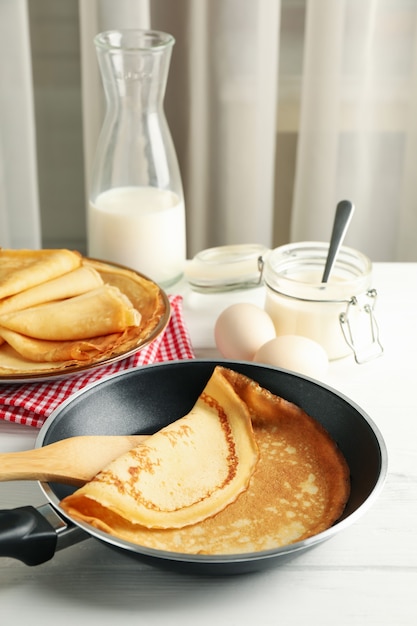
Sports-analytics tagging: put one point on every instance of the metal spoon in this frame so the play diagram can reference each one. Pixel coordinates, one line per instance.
(344, 212)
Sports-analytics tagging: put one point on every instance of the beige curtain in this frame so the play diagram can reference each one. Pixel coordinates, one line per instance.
(221, 105)
(19, 203)
(278, 109)
(357, 127)
(97, 16)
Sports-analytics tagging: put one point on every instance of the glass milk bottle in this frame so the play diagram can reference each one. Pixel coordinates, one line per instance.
(136, 211)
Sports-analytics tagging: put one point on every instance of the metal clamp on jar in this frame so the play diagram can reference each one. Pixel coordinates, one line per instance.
(338, 314)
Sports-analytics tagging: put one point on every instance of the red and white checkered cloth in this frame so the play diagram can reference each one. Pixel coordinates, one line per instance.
(32, 403)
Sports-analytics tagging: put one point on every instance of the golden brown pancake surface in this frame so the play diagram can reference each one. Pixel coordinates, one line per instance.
(186, 472)
(299, 487)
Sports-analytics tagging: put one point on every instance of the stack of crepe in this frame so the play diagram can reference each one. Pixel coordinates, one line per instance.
(244, 471)
(58, 309)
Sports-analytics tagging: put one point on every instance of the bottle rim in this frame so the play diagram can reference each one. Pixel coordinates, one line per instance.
(133, 40)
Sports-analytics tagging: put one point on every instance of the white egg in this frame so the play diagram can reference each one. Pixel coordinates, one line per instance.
(241, 329)
(295, 353)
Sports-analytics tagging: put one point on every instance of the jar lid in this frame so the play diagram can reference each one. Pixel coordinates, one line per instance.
(226, 268)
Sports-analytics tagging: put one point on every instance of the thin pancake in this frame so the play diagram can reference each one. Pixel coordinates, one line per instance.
(74, 283)
(183, 474)
(102, 311)
(299, 487)
(145, 296)
(26, 354)
(22, 269)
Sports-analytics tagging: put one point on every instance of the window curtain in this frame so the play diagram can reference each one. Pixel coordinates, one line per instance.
(357, 128)
(221, 105)
(278, 110)
(352, 103)
(19, 203)
(97, 16)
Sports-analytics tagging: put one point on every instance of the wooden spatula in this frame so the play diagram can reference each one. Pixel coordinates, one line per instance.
(72, 461)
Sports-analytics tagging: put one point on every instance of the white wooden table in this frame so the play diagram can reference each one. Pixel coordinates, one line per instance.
(365, 575)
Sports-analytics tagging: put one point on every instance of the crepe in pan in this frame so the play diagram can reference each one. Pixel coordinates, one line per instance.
(186, 472)
(299, 487)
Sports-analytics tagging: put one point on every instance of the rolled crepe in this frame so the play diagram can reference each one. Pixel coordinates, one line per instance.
(22, 353)
(22, 269)
(99, 312)
(74, 283)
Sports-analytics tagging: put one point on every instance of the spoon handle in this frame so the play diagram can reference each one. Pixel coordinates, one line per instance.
(344, 212)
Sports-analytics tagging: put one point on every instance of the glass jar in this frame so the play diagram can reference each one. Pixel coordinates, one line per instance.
(226, 268)
(136, 211)
(338, 314)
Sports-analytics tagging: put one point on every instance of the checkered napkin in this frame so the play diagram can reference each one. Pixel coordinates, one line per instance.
(31, 403)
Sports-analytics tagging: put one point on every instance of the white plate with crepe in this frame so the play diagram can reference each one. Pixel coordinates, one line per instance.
(63, 314)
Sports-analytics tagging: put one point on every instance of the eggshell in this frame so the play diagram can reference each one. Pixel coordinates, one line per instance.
(295, 353)
(241, 329)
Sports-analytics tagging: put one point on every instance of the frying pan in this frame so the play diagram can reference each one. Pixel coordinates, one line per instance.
(146, 399)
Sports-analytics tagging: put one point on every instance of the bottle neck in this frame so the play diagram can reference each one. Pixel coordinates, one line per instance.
(135, 78)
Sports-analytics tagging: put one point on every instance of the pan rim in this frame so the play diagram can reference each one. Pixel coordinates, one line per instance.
(233, 558)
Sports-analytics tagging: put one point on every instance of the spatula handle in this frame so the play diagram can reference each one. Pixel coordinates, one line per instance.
(28, 465)
(72, 461)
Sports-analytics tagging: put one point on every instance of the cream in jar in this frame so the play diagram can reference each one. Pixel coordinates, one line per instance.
(338, 314)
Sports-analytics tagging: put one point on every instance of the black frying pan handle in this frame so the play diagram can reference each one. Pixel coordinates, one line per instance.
(25, 534)
(33, 535)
